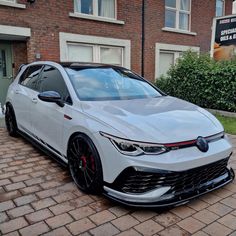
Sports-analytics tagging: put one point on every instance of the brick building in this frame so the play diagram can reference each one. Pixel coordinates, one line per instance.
(144, 35)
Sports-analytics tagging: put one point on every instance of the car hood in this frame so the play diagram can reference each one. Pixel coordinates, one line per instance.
(163, 120)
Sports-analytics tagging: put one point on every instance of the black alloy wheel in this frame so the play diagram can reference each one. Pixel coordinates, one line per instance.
(10, 121)
(84, 164)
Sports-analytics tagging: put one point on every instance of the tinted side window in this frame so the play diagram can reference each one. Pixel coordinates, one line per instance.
(30, 77)
(52, 80)
(23, 76)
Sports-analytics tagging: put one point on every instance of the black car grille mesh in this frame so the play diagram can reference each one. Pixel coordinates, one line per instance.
(133, 181)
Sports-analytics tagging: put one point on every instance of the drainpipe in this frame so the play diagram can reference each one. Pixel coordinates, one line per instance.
(143, 38)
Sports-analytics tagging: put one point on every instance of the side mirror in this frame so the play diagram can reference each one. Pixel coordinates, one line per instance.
(51, 96)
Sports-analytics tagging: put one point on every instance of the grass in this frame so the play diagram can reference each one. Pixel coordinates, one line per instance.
(229, 123)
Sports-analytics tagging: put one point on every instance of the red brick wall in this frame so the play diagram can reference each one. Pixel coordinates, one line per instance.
(229, 7)
(47, 18)
(19, 55)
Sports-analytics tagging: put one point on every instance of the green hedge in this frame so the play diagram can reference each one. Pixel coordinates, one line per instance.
(203, 81)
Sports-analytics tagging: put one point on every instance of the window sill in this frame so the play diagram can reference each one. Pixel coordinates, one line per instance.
(178, 31)
(96, 18)
(12, 4)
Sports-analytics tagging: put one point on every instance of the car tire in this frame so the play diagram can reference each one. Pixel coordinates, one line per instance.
(85, 164)
(10, 120)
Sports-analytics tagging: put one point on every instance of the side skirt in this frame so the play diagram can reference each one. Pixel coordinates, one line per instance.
(45, 149)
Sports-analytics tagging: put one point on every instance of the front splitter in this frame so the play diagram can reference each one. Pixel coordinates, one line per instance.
(176, 200)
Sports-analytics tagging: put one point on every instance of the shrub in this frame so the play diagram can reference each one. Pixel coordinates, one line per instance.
(203, 81)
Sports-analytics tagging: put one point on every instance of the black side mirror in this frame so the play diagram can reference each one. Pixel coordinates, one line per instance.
(51, 96)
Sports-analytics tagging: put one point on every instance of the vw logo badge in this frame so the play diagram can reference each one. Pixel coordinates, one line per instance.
(202, 144)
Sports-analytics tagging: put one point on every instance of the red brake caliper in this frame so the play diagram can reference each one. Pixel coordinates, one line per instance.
(84, 161)
(92, 162)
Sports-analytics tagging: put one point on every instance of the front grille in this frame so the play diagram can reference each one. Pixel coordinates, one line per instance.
(134, 181)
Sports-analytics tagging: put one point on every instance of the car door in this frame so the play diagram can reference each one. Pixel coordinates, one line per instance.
(48, 118)
(24, 92)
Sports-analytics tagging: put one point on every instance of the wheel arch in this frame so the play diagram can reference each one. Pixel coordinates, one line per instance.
(12, 125)
(8, 103)
(92, 144)
(70, 138)
(85, 134)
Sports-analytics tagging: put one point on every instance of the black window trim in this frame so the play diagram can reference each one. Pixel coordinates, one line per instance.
(41, 72)
(39, 76)
(26, 69)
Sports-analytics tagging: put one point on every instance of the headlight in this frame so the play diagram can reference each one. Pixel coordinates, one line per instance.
(133, 148)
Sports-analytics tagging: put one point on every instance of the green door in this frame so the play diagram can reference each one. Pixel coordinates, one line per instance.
(5, 70)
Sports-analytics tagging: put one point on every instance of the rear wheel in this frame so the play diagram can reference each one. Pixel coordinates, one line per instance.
(10, 120)
(84, 164)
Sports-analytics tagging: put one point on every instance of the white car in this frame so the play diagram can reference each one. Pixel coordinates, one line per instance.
(119, 134)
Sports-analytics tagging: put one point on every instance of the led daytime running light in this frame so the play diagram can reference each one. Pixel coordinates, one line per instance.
(134, 148)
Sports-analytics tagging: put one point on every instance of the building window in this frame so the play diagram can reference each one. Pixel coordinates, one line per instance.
(220, 8)
(12, 3)
(177, 14)
(95, 53)
(101, 8)
(167, 59)
(167, 55)
(88, 48)
(111, 55)
(80, 52)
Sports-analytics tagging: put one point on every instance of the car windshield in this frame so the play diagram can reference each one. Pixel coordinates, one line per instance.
(107, 83)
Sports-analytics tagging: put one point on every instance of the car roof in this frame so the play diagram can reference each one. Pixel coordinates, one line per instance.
(75, 65)
(72, 65)
(83, 65)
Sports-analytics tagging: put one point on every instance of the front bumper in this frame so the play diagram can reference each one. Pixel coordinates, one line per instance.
(146, 187)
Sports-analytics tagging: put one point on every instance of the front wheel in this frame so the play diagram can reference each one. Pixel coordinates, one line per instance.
(10, 120)
(84, 164)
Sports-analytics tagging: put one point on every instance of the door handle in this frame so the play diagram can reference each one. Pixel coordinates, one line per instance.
(34, 100)
(17, 91)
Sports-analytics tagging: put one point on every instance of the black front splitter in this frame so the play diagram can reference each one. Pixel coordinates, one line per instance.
(175, 201)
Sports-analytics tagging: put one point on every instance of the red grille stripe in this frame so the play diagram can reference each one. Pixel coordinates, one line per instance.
(192, 142)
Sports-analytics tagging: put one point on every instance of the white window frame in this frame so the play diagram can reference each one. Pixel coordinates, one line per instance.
(95, 15)
(66, 38)
(222, 9)
(97, 50)
(234, 8)
(170, 48)
(177, 11)
(95, 9)
(12, 3)
(15, 32)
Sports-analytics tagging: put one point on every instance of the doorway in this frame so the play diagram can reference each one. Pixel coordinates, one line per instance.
(6, 71)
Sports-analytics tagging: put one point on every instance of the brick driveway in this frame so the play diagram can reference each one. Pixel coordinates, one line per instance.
(37, 196)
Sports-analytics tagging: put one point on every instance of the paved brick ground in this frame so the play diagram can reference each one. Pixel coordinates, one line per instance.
(38, 197)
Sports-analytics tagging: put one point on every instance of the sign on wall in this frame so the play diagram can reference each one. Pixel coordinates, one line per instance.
(224, 38)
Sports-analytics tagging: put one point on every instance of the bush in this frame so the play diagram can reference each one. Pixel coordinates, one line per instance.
(203, 81)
